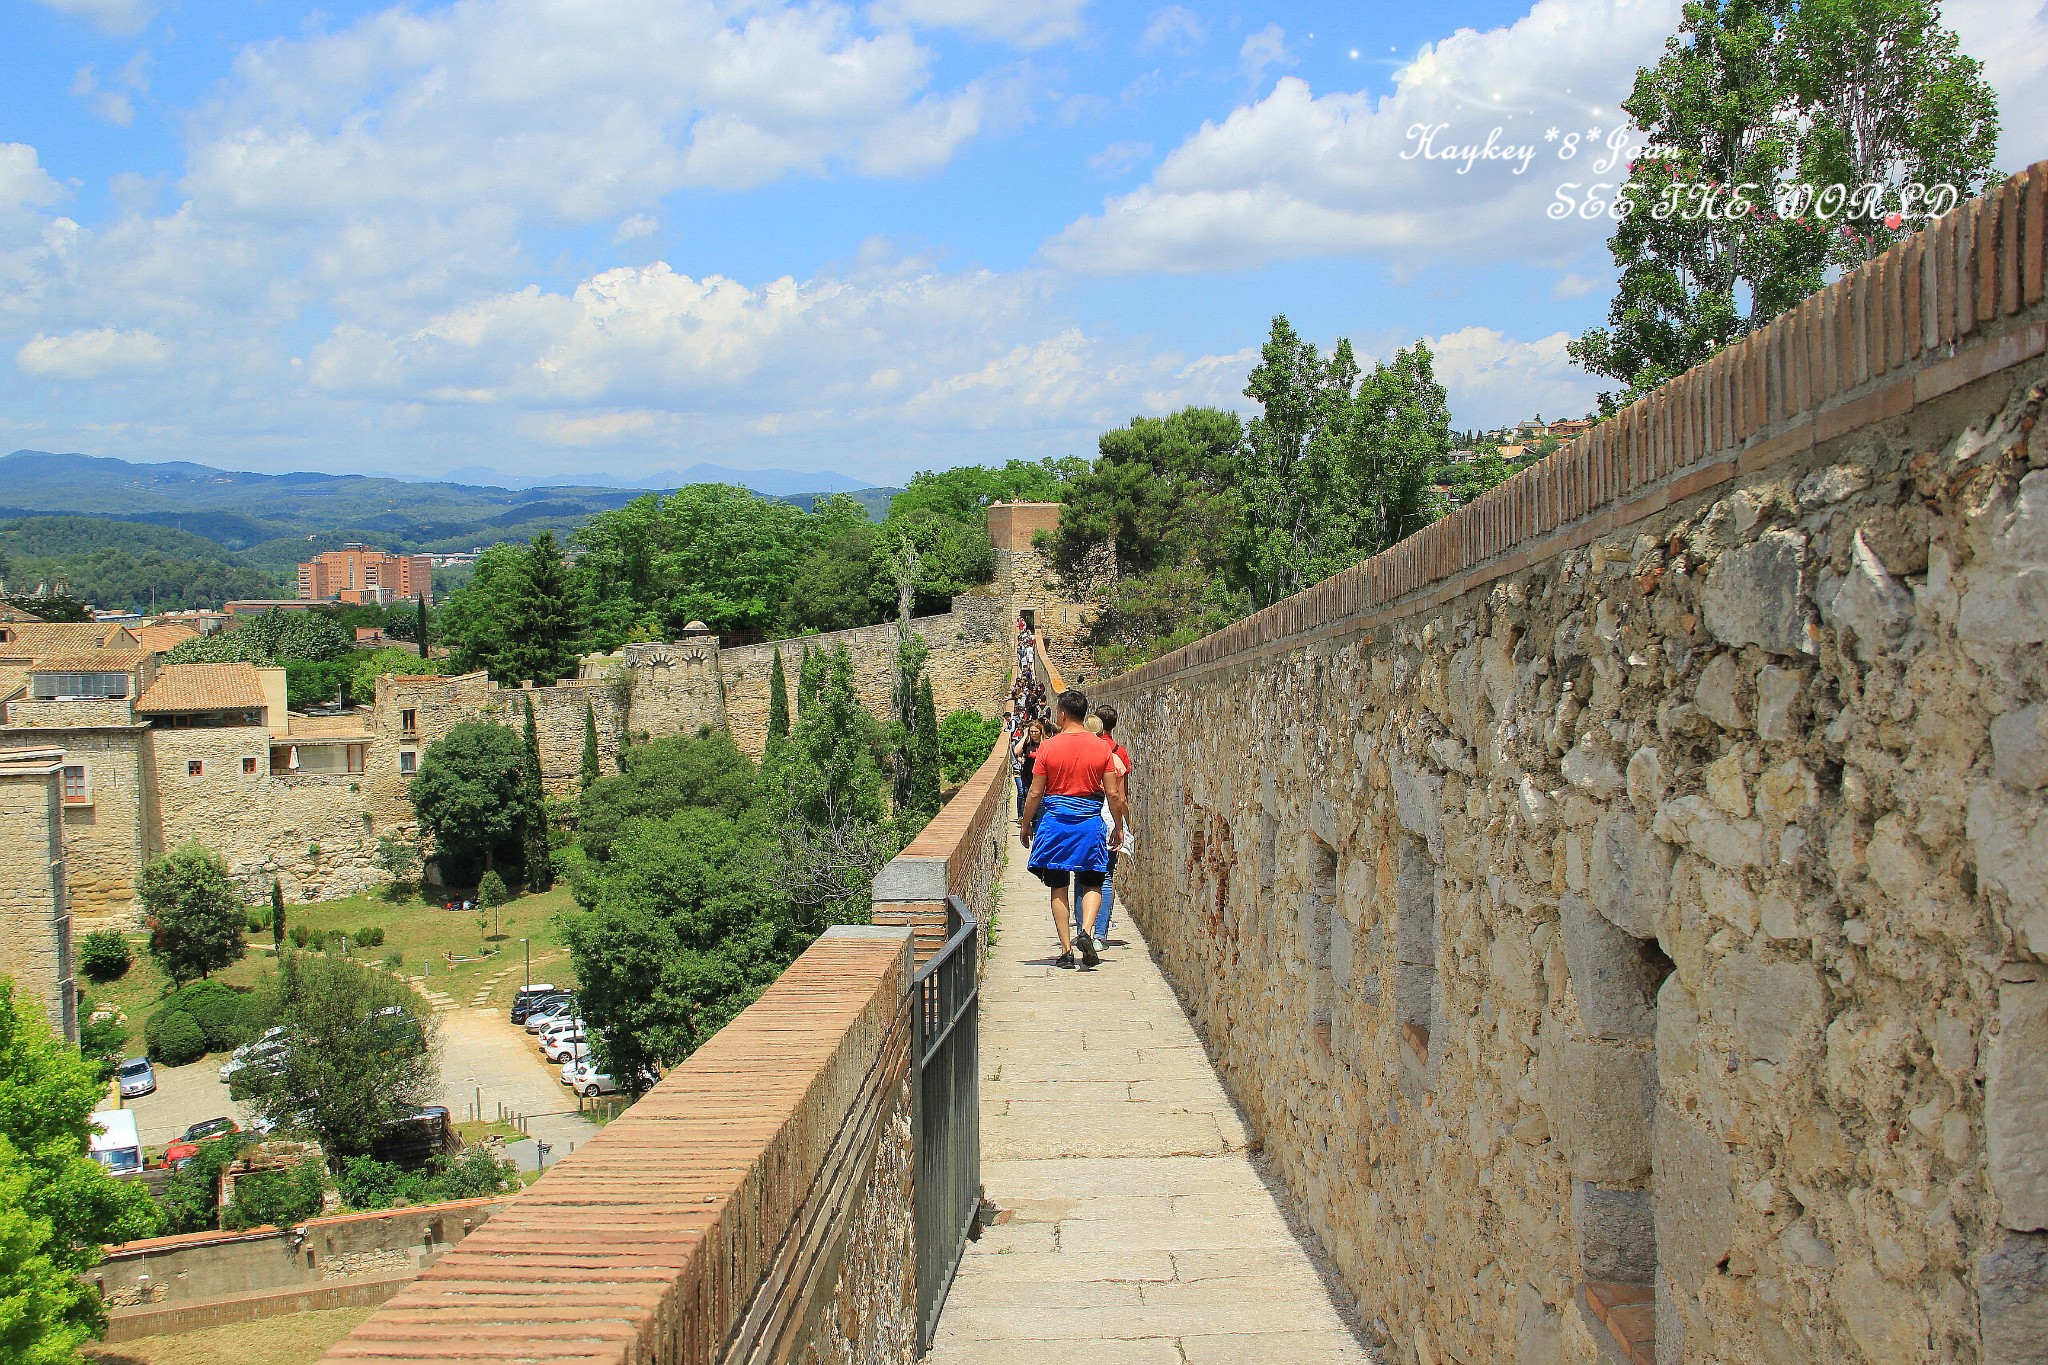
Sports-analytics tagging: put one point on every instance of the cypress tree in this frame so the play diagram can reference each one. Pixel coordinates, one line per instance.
(810, 680)
(426, 652)
(589, 745)
(540, 866)
(276, 915)
(778, 704)
(924, 757)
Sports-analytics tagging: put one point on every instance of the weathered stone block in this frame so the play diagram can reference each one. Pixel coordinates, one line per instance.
(1754, 595)
(2019, 747)
(1628, 874)
(1598, 1098)
(1718, 693)
(2016, 1105)
(2006, 603)
(1614, 974)
(2009, 836)
(1777, 698)
(1617, 1233)
(1695, 1202)
(1720, 838)
(1867, 602)
(2012, 1300)
(1777, 1005)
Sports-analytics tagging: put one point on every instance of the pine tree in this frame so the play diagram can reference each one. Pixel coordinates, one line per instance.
(778, 704)
(276, 915)
(924, 759)
(543, 618)
(540, 866)
(589, 746)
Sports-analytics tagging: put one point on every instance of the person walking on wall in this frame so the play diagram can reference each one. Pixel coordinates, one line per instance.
(1023, 755)
(1119, 840)
(1074, 777)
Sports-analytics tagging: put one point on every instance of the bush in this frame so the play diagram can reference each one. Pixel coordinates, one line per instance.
(394, 960)
(317, 940)
(259, 920)
(369, 936)
(367, 1183)
(300, 933)
(965, 740)
(174, 1038)
(101, 1040)
(105, 955)
(191, 1197)
(491, 890)
(279, 1198)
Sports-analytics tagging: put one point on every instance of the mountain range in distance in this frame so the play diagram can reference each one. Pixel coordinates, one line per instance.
(774, 483)
(277, 520)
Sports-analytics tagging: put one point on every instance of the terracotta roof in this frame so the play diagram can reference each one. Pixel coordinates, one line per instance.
(98, 661)
(204, 687)
(59, 637)
(162, 636)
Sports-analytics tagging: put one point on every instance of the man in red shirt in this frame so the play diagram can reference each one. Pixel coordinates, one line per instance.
(1074, 776)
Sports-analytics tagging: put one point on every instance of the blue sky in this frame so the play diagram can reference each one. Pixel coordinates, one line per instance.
(558, 237)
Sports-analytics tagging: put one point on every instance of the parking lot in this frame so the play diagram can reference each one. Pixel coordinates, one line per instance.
(485, 1058)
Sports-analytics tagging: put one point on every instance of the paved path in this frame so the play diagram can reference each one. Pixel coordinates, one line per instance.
(1134, 1227)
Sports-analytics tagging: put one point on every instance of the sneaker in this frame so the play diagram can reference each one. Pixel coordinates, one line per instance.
(1065, 962)
(1087, 946)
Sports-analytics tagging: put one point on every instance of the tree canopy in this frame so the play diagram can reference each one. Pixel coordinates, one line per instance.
(195, 911)
(470, 795)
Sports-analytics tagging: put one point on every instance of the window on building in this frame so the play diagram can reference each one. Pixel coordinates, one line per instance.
(95, 686)
(76, 793)
(408, 761)
(358, 756)
(409, 721)
(248, 765)
(280, 758)
(194, 768)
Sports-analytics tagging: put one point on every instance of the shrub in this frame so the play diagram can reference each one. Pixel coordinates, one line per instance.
(191, 1197)
(101, 1040)
(105, 955)
(965, 739)
(369, 936)
(259, 920)
(300, 933)
(279, 1198)
(394, 960)
(317, 940)
(367, 1183)
(174, 1037)
(491, 890)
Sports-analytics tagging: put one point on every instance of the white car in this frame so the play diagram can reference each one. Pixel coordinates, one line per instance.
(555, 1028)
(266, 1056)
(588, 1081)
(560, 1010)
(562, 1047)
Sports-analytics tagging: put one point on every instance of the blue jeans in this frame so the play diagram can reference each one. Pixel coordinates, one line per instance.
(1101, 932)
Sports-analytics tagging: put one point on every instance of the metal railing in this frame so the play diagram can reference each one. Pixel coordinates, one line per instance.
(948, 1117)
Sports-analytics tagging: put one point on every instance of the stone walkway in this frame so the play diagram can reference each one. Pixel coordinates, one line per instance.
(1134, 1228)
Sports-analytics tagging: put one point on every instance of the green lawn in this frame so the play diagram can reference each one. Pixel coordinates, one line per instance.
(293, 1339)
(422, 932)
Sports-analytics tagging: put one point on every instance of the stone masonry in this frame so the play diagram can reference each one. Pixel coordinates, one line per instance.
(1620, 910)
(35, 921)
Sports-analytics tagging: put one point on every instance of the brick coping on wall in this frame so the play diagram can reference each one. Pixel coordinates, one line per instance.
(1932, 314)
(649, 1242)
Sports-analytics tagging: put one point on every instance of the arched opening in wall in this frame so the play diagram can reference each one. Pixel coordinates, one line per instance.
(1415, 988)
(1318, 912)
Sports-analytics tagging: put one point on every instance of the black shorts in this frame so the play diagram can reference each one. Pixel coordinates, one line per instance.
(1057, 877)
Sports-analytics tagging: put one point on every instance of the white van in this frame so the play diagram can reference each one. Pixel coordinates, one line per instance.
(115, 1143)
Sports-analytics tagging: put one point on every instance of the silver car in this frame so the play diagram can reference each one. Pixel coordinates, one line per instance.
(137, 1077)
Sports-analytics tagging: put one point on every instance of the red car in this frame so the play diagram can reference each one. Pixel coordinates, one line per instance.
(187, 1147)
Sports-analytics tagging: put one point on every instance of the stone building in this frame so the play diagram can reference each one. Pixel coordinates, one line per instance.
(35, 920)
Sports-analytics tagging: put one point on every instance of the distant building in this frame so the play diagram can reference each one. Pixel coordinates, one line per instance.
(357, 573)
(256, 606)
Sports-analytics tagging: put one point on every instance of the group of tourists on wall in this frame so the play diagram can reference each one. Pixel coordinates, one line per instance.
(1072, 804)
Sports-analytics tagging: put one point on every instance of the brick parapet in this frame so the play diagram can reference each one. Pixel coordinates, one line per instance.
(698, 1225)
(1934, 313)
(958, 854)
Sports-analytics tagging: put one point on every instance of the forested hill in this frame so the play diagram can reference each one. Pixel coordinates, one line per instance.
(127, 564)
(273, 521)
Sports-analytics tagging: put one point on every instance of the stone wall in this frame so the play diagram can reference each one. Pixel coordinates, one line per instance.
(870, 1312)
(313, 833)
(1619, 909)
(35, 927)
(212, 1267)
(1025, 583)
(107, 837)
(968, 666)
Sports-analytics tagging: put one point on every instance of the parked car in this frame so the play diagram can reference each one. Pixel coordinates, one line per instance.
(266, 1039)
(560, 1007)
(137, 1077)
(558, 1047)
(263, 1057)
(561, 1023)
(206, 1130)
(587, 1081)
(526, 997)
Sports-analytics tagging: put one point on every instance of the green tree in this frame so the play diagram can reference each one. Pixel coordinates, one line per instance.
(924, 762)
(358, 1053)
(1160, 494)
(824, 797)
(661, 777)
(273, 638)
(1788, 96)
(533, 819)
(371, 664)
(469, 796)
(546, 626)
(678, 934)
(399, 859)
(778, 702)
(590, 769)
(277, 916)
(965, 741)
(476, 624)
(57, 1205)
(194, 910)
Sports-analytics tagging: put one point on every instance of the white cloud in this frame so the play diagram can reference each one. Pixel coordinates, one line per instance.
(1295, 174)
(1262, 51)
(632, 229)
(118, 17)
(1119, 157)
(110, 106)
(90, 355)
(1023, 23)
(2013, 45)
(1176, 28)
(1493, 380)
